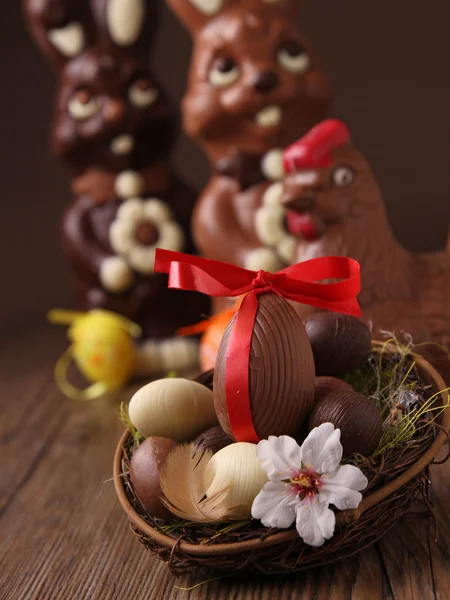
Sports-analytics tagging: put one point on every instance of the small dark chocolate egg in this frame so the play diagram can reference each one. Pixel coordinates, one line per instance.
(355, 415)
(329, 385)
(146, 464)
(281, 371)
(213, 439)
(340, 343)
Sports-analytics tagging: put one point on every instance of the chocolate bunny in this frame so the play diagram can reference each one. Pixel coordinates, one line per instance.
(112, 124)
(254, 87)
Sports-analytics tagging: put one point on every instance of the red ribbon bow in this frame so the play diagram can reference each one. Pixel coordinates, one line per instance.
(298, 283)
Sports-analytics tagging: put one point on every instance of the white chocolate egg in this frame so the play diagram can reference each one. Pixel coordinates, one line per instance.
(178, 409)
(238, 468)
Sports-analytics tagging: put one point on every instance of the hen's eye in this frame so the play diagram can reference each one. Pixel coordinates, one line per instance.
(142, 94)
(224, 72)
(293, 57)
(83, 105)
(343, 176)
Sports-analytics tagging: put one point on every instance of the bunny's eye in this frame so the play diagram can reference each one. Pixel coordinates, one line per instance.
(83, 105)
(142, 94)
(293, 57)
(224, 72)
(343, 176)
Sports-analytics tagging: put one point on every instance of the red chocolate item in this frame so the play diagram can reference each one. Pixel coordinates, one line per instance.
(255, 86)
(113, 126)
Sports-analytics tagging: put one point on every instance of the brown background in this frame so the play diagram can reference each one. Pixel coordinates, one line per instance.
(390, 65)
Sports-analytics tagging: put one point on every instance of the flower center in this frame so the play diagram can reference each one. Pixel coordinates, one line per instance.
(305, 482)
(146, 233)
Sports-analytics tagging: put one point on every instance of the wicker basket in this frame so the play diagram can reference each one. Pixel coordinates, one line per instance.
(391, 492)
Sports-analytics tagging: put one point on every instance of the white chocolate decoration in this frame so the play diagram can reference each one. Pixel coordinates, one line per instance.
(272, 165)
(69, 40)
(152, 214)
(129, 184)
(125, 19)
(287, 248)
(142, 98)
(272, 196)
(207, 7)
(178, 409)
(270, 116)
(115, 274)
(263, 258)
(122, 144)
(173, 354)
(269, 224)
(237, 468)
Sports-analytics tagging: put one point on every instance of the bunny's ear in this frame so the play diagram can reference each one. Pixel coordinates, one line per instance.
(194, 14)
(62, 28)
(125, 24)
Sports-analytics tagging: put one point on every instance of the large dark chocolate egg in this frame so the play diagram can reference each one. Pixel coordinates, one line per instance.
(281, 371)
(145, 467)
(329, 385)
(355, 415)
(340, 343)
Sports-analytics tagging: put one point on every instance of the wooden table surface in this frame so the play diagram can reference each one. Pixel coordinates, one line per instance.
(63, 534)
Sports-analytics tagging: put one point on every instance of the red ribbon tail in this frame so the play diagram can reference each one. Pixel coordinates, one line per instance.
(237, 371)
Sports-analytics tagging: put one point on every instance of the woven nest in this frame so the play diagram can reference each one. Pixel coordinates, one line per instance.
(397, 479)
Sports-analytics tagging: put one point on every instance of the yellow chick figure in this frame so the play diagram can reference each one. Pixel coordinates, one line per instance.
(102, 348)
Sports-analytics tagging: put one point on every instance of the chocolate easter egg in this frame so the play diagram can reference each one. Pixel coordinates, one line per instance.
(146, 464)
(355, 415)
(281, 371)
(329, 385)
(213, 439)
(340, 343)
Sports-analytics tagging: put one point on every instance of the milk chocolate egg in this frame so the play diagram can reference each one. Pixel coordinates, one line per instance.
(146, 464)
(355, 415)
(329, 385)
(339, 342)
(281, 371)
(213, 439)
(178, 409)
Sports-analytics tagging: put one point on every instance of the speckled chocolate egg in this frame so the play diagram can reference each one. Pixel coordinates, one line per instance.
(329, 385)
(146, 464)
(281, 371)
(213, 439)
(355, 415)
(340, 343)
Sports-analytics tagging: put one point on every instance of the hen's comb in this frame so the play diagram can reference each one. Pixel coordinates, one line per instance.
(314, 149)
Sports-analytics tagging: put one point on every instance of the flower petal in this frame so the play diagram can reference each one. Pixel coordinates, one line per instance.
(142, 259)
(157, 211)
(274, 506)
(171, 236)
(322, 449)
(315, 522)
(131, 210)
(342, 488)
(121, 237)
(278, 456)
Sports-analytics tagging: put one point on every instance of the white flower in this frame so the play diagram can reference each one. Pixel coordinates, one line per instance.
(140, 227)
(303, 481)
